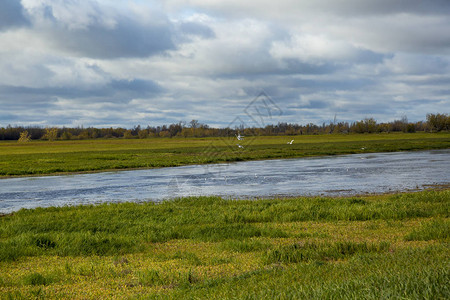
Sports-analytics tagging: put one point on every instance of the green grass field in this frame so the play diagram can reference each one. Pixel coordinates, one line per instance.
(44, 157)
(369, 247)
(366, 247)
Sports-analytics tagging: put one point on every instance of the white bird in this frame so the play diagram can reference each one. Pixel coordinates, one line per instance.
(240, 146)
(290, 143)
(239, 137)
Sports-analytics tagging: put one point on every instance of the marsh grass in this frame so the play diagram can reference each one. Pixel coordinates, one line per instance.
(244, 245)
(111, 229)
(37, 279)
(435, 230)
(301, 252)
(368, 247)
(407, 274)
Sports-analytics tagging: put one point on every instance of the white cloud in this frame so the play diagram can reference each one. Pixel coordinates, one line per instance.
(412, 64)
(73, 14)
(148, 62)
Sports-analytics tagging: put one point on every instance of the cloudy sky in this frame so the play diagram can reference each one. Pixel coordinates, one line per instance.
(127, 62)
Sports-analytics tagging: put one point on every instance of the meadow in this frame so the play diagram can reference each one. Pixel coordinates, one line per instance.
(45, 157)
(362, 247)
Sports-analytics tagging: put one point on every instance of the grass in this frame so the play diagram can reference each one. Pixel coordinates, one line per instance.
(369, 247)
(435, 230)
(44, 157)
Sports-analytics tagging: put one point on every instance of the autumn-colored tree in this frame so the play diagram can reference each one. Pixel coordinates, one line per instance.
(66, 135)
(51, 134)
(438, 122)
(128, 135)
(24, 137)
(143, 134)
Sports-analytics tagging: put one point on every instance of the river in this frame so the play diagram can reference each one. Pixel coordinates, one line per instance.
(327, 175)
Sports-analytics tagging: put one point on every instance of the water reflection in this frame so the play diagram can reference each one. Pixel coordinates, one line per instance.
(336, 175)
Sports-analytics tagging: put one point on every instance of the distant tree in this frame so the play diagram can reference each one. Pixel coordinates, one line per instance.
(84, 135)
(411, 128)
(51, 134)
(24, 137)
(143, 134)
(128, 135)
(175, 129)
(135, 130)
(370, 124)
(420, 126)
(404, 122)
(358, 127)
(164, 133)
(341, 127)
(435, 122)
(66, 135)
(194, 124)
(438, 122)
(94, 133)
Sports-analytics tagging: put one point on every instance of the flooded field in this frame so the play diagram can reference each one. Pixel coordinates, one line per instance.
(331, 175)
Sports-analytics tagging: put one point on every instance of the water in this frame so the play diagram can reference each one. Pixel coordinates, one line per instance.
(331, 175)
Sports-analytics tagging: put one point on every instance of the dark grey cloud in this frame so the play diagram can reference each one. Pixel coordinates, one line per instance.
(267, 68)
(7, 118)
(115, 90)
(111, 104)
(110, 33)
(315, 104)
(437, 82)
(96, 30)
(137, 87)
(267, 8)
(327, 85)
(383, 7)
(127, 39)
(296, 66)
(11, 14)
(196, 29)
(365, 56)
(419, 64)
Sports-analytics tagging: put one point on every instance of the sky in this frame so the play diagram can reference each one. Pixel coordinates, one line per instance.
(122, 63)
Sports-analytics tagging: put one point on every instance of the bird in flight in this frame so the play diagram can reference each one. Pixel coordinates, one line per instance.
(240, 146)
(290, 143)
(239, 137)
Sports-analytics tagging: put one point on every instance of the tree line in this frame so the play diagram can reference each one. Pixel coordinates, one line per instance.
(434, 123)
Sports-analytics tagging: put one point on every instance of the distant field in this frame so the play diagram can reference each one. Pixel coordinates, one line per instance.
(371, 247)
(44, 157)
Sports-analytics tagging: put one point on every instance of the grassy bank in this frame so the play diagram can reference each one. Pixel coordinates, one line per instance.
(44, 157)
(371, 247)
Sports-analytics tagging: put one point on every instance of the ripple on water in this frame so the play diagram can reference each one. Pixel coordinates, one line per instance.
(334, 175)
